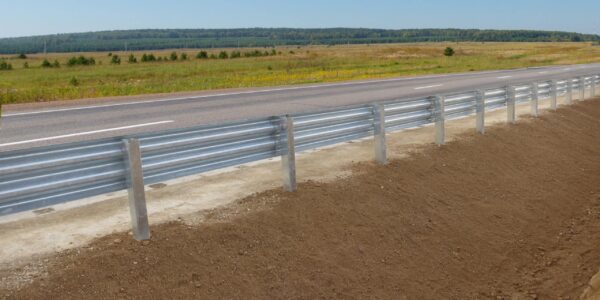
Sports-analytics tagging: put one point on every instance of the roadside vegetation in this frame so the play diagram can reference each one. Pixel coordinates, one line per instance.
(4, 66)
(60, 76)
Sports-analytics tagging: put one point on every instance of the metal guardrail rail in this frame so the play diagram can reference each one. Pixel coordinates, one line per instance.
(40, 177)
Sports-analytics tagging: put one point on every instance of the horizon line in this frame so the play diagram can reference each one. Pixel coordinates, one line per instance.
(302, 28)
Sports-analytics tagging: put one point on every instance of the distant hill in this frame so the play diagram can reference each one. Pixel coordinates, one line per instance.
(155, 39)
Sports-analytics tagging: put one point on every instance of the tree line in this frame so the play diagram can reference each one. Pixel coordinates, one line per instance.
(132, 59)
(156, 39)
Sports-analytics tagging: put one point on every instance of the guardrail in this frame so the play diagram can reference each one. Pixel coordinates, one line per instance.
(35, 178)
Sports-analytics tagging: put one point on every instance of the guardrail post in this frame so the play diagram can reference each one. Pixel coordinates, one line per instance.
(593, 87)
(440, 119)
(480, 110)
(379, 132)
(510, 105)
(135, 183)
(581, 88)
(534, 99)
(553, 94)
(569, 94)
(288, 153)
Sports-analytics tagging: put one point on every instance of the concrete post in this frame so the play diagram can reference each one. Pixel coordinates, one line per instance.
(288, 153)
(510, 105)
(440, 119)
(534, 99)
(553, 94)
(135, 183)
(480, 111)
(379, 132)
(581, 88)
(569, 95)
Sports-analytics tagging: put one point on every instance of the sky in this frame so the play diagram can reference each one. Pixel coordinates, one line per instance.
(38, 17)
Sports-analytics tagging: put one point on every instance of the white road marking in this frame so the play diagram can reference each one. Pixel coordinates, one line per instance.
(543, 72)
(84, 133)
(504, 77)
(428, 87)
(250, 92)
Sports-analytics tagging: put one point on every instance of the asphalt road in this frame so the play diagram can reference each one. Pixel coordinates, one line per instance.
(45, 126)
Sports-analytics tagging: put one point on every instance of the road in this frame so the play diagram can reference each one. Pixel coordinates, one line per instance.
(26, 128)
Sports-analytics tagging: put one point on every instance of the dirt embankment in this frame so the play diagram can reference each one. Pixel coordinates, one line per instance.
(512, 214)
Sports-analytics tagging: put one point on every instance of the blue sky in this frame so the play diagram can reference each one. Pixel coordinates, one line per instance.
(34, 17)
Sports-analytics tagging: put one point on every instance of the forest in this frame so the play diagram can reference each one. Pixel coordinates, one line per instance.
(157, 39)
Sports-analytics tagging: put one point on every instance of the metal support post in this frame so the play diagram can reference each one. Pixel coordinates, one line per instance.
(135, 184)
(379, 132)
(553, 94)
(593, 87)
(480, 111)
(534, 99)
(569, 95)
(581, 88)
(439, 113)
(288, 153)
(510, 105)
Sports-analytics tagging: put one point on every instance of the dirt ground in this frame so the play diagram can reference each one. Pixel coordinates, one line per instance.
(513, 214)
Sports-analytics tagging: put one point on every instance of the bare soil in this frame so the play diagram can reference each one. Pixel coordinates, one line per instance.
(514, 213)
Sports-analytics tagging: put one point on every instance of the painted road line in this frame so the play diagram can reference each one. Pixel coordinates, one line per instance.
(84, 133)
(428, 87)
(543, 72)
(504, 77)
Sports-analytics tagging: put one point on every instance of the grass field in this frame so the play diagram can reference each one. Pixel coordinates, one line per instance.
(294, 65)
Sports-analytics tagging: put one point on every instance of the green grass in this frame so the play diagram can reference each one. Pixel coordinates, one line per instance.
(307, 65)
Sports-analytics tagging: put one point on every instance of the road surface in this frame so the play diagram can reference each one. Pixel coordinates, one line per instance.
(26, 128)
